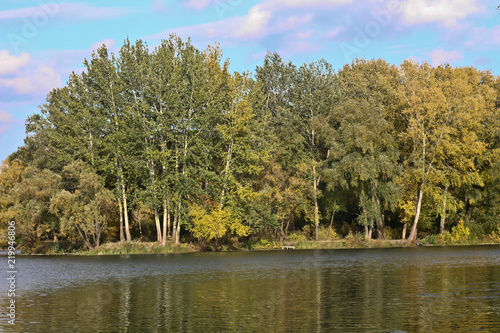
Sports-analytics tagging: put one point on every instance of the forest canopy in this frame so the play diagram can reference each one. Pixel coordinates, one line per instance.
(166, 144)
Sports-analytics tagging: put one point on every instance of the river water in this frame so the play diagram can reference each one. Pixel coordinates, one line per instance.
(431, 289)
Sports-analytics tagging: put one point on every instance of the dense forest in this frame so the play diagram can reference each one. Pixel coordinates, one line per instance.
(167, 145)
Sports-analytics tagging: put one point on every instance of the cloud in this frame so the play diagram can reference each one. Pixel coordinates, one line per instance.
(6, 121)
(42, 79)
(71, 10)
(9, 64)
(198, 4)
(482, 37)
(320, 4)
(440, 56)
(261, 21)
(298, 47)
(159, 6)
(5, 117)
(109, 42)
(440, 11)
(254, 25)
(331, 34)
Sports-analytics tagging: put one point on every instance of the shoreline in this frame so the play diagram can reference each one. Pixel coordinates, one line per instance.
(151, 248)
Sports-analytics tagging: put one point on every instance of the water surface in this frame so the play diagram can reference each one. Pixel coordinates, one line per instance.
(438, 289)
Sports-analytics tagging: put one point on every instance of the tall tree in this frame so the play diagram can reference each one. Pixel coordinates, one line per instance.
(364, 153)
(444, 112)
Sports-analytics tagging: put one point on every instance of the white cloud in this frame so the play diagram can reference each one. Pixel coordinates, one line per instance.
(440, 56)
(109, 42)
(262, 20)
(442, 11)
(254, 25)
(9, 64)
(42, 79)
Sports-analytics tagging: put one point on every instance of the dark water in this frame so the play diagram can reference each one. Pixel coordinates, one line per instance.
(454, 289)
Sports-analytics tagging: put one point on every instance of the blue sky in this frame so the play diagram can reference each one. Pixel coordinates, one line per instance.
(43, 41)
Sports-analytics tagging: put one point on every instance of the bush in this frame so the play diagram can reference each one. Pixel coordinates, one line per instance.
(495, 236)
(431, 240)
(296, 236)
(264, 244)
(460, 233)
(390, 233)
(445, 237)
(327, 233)
(354, 239)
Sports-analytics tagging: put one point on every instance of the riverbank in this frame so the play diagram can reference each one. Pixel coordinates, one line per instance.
(121, 248)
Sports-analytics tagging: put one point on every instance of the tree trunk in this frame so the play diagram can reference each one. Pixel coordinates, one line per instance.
(316, 208)
(380, 218)
(155, 206)
(226, 172)
(125, 209)
(333, 212)
(84, 238)
(122, 236)
(166, 221)
(125, 212)
(178, 231)
(139, 221)
(443, 213)
(413, 234)
(98, 230)
(287, 225)
(368, 228)
(282, 229)
(177, 224)
(174, 224)
(368, 232)
(403, 236)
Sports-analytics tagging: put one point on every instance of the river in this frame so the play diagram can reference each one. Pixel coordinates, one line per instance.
(423, 289)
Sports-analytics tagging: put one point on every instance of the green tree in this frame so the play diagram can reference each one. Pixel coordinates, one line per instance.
(364, 153)
(85, 207)
(26, 200)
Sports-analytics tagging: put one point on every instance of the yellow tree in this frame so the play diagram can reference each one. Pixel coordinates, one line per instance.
(444, 108)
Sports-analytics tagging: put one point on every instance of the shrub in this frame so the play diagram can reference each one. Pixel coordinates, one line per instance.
(431, 240)
(296, 236)
(495, 236)
(445, 237)
(460, 233)
(390, 233)
(354, 239)
(327, 233)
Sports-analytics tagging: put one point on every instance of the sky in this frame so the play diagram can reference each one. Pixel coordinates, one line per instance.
(43, 41)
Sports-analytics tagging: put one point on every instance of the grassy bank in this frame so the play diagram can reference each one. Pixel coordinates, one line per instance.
(122, 248)
(460, 235)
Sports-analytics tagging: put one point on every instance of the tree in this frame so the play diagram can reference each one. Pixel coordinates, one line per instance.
(444, 110)
(26, 200)
(314, 96)
(364, 153)
(84, 206)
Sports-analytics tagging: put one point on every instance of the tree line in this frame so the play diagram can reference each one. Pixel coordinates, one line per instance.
(163, 143)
